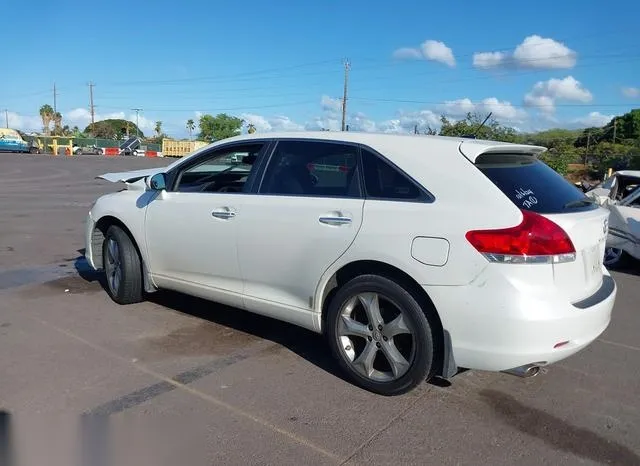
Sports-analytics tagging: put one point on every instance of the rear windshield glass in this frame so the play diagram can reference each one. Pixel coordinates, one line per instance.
(533, 185)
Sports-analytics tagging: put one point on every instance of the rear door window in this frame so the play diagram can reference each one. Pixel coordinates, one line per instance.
(532, 185)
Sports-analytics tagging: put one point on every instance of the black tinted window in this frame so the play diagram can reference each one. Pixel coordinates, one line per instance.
(532, 185)
(383, 180)
(312, 168)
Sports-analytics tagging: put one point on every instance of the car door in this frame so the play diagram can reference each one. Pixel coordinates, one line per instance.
(305, 215)
(191, 229)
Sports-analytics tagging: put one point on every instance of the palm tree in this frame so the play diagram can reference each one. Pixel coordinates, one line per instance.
(158, 128)
(57, 123)
(252, 128)
(46, 113)
(191, 125)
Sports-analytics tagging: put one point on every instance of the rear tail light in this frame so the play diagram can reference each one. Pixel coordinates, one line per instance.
(536, 240)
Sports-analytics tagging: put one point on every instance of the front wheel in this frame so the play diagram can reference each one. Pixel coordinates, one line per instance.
(122, 267)
(380, 335)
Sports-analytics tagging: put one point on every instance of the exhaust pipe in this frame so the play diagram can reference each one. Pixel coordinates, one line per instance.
(526, 371)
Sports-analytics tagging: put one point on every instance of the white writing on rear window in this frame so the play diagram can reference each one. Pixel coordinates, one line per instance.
(527, 197)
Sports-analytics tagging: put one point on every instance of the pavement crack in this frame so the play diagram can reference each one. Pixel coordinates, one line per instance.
(385, 427)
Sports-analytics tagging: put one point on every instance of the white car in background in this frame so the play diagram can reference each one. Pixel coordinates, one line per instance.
(620, 193)
(415, 255)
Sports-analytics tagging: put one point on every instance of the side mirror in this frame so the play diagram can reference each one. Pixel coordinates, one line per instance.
(157, 182)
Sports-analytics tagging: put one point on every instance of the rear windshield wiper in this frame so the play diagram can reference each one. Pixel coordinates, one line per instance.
(579, 203)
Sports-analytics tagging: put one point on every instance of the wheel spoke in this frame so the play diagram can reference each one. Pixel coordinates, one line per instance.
(397, 361)
(371, 305)
(364, 362)
(349, 326)
(396, 327)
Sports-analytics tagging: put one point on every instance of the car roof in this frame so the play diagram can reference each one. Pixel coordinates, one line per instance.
(469, 147)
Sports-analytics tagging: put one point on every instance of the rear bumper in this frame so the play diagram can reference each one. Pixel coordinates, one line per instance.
(496, 328)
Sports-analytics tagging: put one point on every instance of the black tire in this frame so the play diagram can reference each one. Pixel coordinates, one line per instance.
(422, 360)
(619, 262)
(129, 289)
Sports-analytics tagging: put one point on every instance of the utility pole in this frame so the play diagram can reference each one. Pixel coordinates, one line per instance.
(55, 99)
(137, 110)
(6, 116)
(347, 66)
(415, 129)
(91, 106)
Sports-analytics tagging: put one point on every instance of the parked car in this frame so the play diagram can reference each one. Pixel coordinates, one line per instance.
(91, 150)
(11, 141)
(620, 193)
(415, 256)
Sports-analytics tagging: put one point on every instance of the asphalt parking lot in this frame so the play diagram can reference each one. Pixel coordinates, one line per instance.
(190, 381)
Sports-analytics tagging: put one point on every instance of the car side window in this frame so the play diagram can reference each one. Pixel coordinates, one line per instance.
(313, 168)
(224, 170)
(383, 181)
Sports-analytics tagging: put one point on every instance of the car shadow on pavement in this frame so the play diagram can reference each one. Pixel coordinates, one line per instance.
(308, 345)
(556, 432)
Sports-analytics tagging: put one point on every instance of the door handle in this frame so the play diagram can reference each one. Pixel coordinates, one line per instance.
(224, 213)
(335, 221)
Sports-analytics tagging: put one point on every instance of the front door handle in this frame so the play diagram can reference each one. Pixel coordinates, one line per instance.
(225, 213)
(335, 221)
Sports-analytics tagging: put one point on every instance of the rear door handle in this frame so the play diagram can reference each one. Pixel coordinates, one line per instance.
(335, 221)
(225, 213)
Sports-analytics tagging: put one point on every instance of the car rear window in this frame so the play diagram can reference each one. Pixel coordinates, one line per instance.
(533, 185)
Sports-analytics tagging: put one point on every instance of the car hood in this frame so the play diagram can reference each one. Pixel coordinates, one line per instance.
(131, 176)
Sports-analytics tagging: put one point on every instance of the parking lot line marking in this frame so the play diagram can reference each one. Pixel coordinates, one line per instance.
(208, 398)
(621, 345)
(145, 394)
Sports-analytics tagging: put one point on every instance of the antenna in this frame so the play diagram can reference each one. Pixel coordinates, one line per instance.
(475, 133)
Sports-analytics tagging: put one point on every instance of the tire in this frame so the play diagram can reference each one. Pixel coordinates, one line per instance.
(128, 288)
(348, 306)
(615, 258)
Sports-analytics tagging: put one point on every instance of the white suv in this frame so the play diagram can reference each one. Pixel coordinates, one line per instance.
(415, 255)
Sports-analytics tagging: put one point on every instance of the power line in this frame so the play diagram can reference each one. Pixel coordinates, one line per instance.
(347, 65)
(497, 104)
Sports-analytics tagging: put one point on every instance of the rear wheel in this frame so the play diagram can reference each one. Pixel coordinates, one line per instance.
(614, 258)
(122, 267)
(380, 335)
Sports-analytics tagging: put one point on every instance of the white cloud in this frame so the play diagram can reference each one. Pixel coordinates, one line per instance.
(488, 59)
(545, 93)
(407, 53)
(593, 119)
(330, 104)
(28, 124)
(502, 111)
(432, 50)
(81, 117)
(631, 92)
(534, 52)
(437, 51)
(269, 124)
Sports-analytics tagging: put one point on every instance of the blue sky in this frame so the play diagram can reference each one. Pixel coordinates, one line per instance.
(279, 64)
